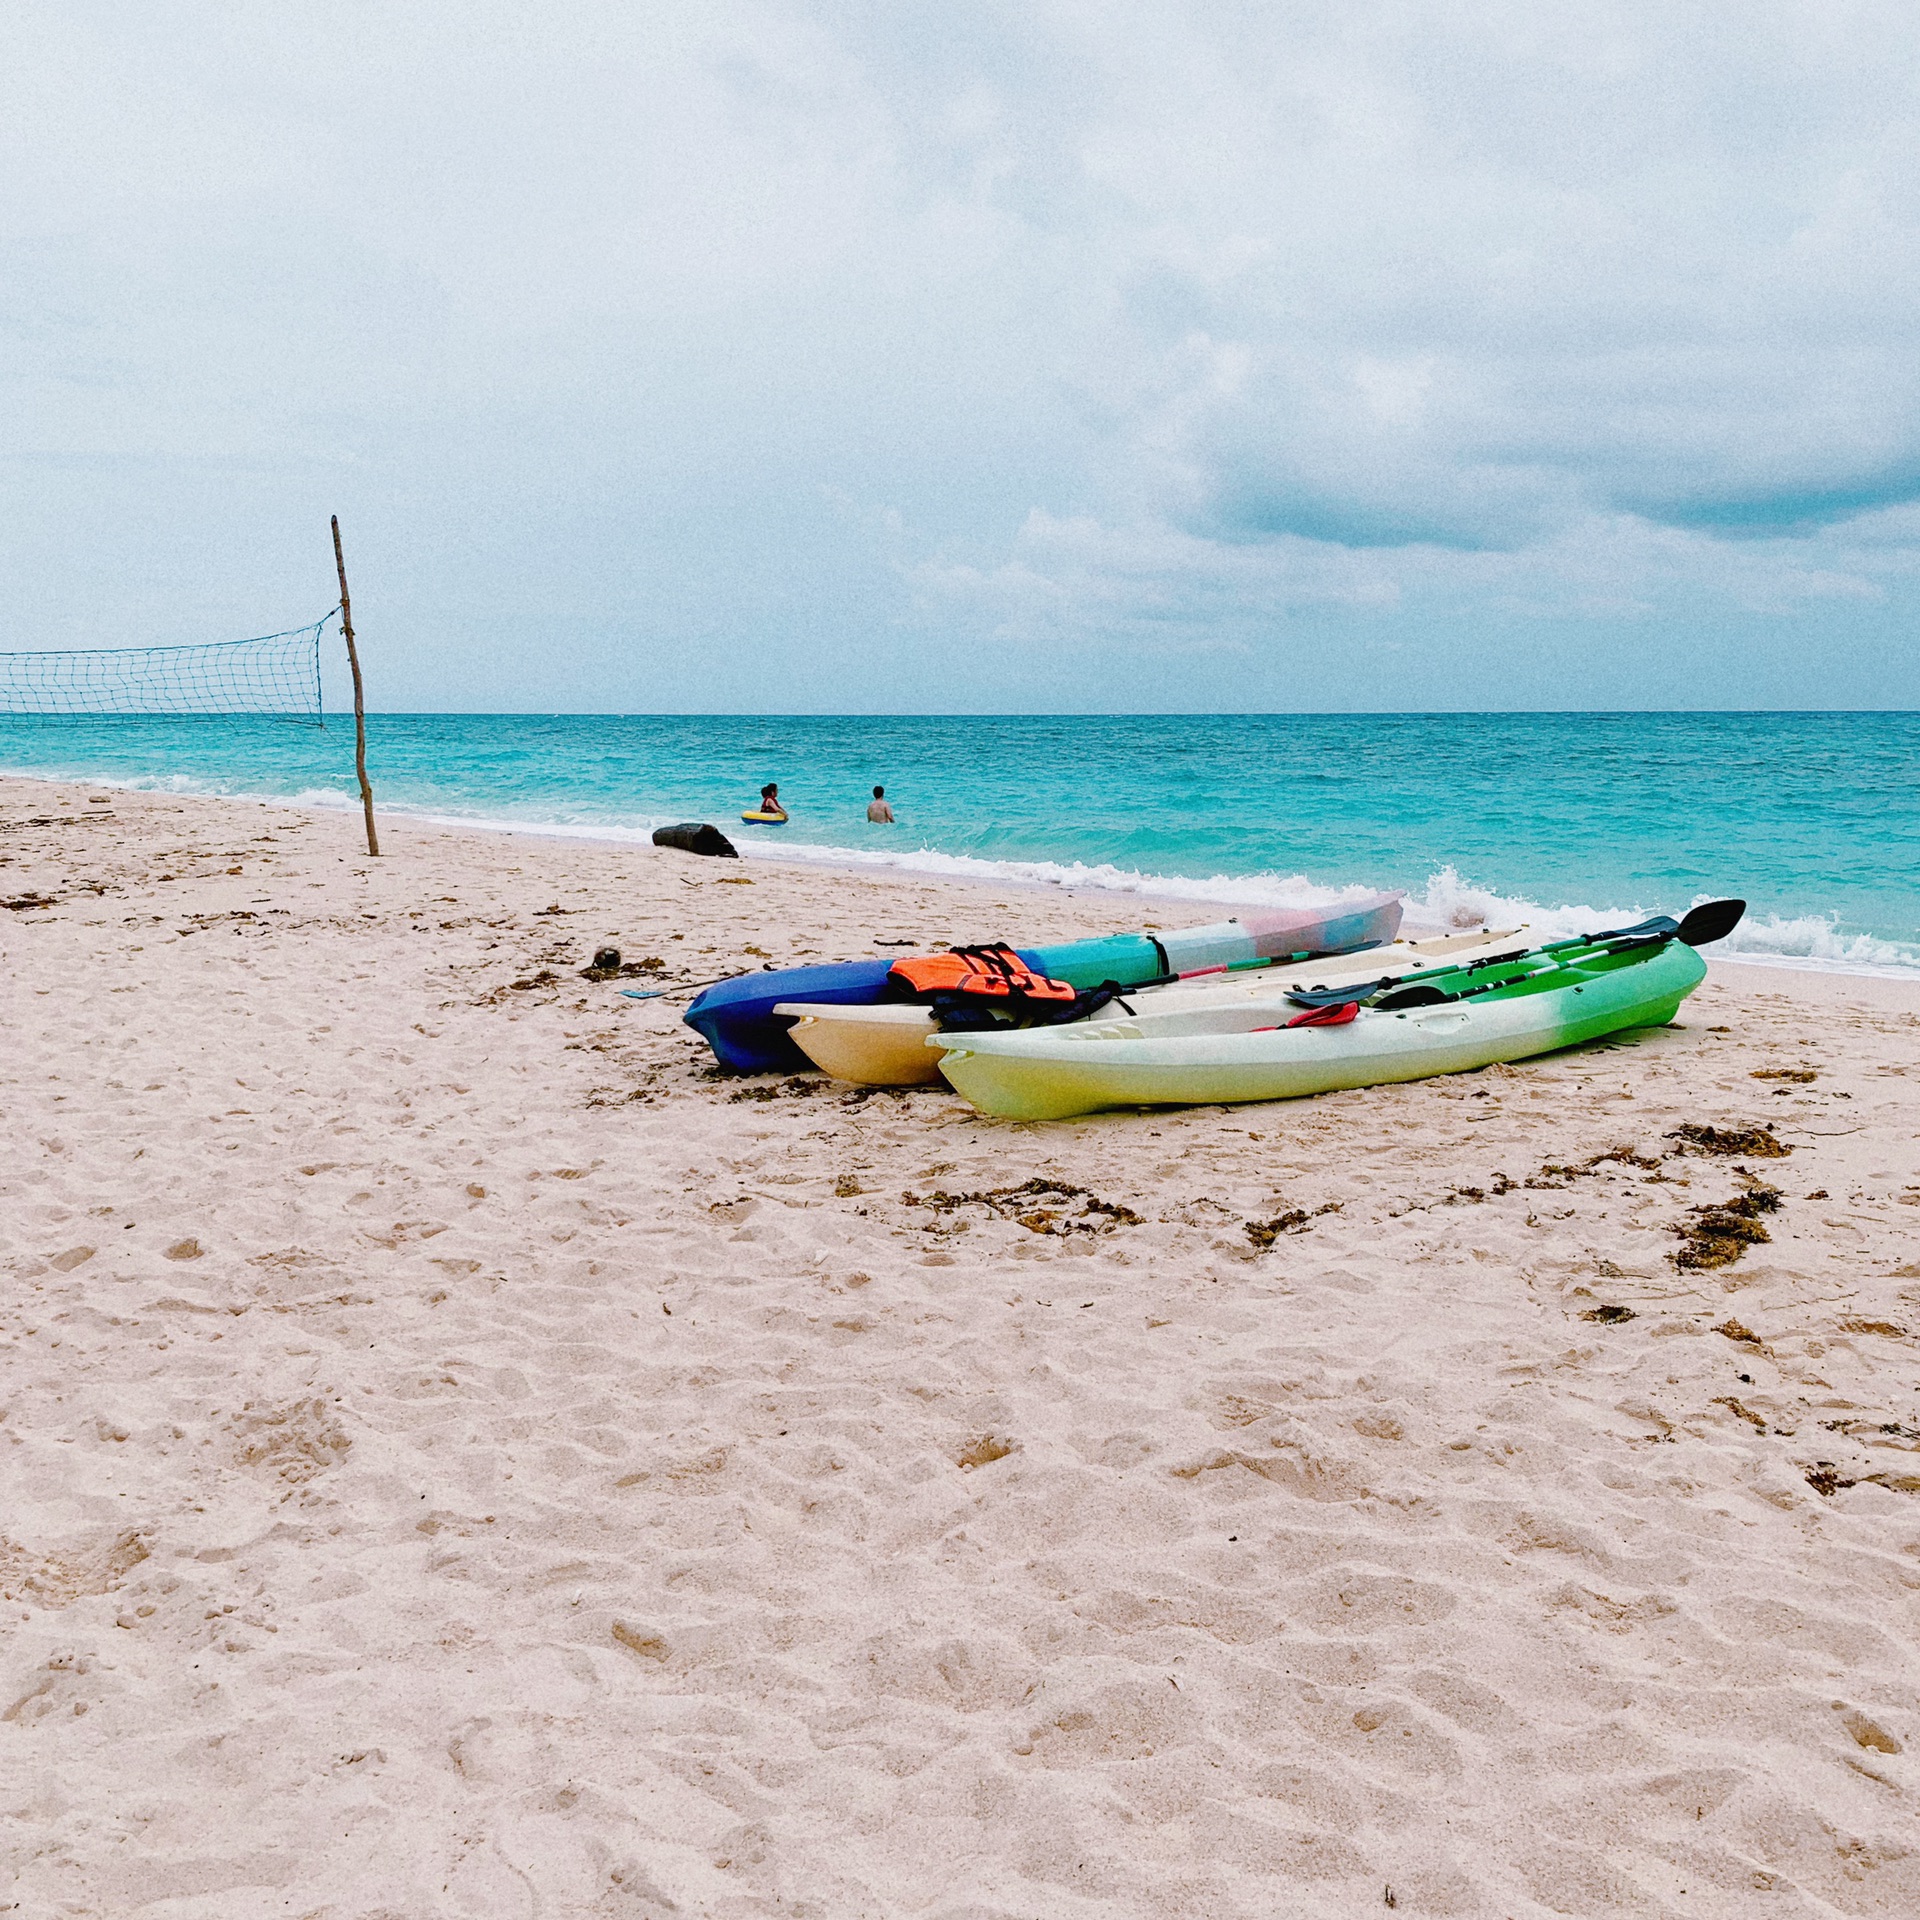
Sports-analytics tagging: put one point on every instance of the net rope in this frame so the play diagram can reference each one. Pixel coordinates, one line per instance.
(274, 675)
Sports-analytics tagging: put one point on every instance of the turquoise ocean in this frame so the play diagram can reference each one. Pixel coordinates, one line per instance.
(1565, 821)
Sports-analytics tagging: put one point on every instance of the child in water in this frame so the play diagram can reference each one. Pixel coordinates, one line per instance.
(770, 799)
(877, 809)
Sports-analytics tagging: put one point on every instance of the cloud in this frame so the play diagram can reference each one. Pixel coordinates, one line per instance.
(1462, 275)
(757, 350)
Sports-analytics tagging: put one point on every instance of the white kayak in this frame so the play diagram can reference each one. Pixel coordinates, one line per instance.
(886, 1045)
(1228, 1053)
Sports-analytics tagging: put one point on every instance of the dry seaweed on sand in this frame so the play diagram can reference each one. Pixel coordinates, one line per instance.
(1724, 1142)
(1552, 1174)
(1097, 1216)
(796, 1087)
(1718, 1235)
(1608, 1316)
(1861, 1429)
(1473, 1195)
(1263, 1233)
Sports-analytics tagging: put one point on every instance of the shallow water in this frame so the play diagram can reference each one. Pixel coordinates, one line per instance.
(1565, 820)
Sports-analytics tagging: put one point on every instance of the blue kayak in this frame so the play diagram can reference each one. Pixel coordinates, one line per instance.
(736, 1018)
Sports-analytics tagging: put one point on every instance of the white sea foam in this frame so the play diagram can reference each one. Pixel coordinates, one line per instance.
(1256, 890)
(1811, 942)
(1815, 945)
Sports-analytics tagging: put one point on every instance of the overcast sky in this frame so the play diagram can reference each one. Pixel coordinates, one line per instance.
(909, 356)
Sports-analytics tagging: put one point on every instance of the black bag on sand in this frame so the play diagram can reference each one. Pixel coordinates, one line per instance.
(695, 836)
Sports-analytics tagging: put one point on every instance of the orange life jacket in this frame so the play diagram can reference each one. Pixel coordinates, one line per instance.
(984, 973)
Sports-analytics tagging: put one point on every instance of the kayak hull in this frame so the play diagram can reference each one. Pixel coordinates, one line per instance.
(886, 1045)
(1054, 1073)
(1283, 934)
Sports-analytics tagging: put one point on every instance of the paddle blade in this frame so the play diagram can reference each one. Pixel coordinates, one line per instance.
(1338, 1016)
(1422, 995)
(1336, 996)
(1712, 920)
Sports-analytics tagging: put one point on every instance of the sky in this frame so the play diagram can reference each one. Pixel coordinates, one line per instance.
(1041, 356)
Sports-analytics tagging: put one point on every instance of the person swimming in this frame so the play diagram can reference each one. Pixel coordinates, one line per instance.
(877, 809)
(770, 799)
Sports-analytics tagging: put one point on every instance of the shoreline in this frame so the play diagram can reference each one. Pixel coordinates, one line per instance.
(1207, 895)
(463, 1455)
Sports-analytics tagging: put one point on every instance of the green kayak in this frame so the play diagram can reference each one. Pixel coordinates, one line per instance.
(1507, 1008)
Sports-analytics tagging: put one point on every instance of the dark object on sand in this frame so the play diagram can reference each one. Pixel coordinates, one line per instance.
(607, 965)
(696, 836)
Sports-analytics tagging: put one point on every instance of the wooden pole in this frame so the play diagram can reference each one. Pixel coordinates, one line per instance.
(359, 696)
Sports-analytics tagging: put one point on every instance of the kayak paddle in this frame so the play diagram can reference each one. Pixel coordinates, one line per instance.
(1711, 920)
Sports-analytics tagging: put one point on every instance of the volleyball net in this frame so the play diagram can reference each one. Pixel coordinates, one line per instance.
(273, 676)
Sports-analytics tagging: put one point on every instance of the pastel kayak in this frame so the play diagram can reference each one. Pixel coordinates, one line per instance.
(885, 1045)
(738, 1021)
(1535, 1003)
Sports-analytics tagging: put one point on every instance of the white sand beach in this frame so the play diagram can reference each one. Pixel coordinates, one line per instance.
(459, 1456)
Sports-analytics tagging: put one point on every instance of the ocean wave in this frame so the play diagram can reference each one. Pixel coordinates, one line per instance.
(1816, 945)
(1447, 903)
(1812, 942)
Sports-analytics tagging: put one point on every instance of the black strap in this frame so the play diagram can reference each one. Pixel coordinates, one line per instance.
(966, 1013)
